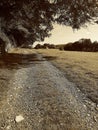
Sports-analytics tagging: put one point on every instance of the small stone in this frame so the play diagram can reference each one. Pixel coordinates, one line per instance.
(78, 89)
(2, 125)
(8, 127)
(97, 108)
(88, 115)
(84, 106)
(95, 118)
(19, 118)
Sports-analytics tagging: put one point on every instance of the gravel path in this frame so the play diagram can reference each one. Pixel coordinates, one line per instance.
(41, 98)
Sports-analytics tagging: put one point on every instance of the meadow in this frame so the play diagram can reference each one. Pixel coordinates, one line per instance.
(81, 68)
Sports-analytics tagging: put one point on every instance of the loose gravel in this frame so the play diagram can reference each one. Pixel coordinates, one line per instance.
(41, 98)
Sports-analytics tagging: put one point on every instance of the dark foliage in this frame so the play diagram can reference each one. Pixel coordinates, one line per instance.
(76, 13)
(45, 46)
(27, 21)
(82, 45)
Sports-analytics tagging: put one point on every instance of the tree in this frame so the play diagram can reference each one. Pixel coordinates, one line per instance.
(82, 45)
(27, 21)
(38, 46)
(76, 13)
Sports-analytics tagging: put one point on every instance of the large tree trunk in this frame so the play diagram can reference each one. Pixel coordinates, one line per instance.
(6, 43)
(3, 52)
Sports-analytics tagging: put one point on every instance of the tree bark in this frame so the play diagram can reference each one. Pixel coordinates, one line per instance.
(3, 52)
(6, 43)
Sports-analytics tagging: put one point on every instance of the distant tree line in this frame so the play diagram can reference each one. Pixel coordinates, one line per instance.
(45, 46)
(81, 45)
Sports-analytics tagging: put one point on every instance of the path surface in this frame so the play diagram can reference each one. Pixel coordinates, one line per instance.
(41, 98)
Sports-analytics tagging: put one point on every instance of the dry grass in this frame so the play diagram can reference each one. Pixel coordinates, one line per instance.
(5, 76)
(22, 51)
(79, 67)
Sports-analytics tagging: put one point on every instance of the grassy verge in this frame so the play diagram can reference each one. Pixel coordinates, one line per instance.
(79, 67)
(7, 70)
(5, 76)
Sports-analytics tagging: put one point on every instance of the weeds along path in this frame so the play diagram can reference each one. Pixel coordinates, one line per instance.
(41, 98)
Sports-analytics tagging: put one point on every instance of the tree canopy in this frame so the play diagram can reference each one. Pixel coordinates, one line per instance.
(27, 21)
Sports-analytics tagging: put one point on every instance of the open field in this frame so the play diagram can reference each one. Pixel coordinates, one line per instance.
(80, 68)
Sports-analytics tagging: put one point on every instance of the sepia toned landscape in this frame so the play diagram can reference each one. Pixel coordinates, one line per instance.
(79, 67)
(49, 65)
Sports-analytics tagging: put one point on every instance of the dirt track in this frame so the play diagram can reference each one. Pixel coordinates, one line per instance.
(45, 100)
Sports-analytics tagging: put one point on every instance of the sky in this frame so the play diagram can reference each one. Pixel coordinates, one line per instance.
(64, 34)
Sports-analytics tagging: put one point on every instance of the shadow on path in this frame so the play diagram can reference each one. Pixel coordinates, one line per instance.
(16, 61)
